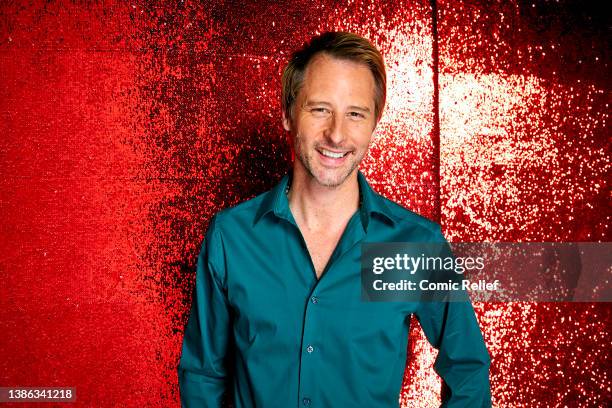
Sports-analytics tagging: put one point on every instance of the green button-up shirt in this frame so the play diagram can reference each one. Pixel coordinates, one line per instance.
(264, 328)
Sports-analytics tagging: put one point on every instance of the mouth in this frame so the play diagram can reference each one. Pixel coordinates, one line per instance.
(332, 154)
(333, 158)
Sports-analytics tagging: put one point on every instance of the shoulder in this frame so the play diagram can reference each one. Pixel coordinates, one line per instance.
(240, 215)
(222, 229)
(410, 220)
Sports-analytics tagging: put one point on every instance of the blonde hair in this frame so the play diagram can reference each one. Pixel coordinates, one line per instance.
(337, 44)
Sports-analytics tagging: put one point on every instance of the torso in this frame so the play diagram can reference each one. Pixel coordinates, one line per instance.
(320, 247)
(322, 240)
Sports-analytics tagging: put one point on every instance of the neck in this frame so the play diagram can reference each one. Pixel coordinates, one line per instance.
(321, 208)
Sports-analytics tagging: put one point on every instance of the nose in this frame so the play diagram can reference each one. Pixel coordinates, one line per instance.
(334, 132)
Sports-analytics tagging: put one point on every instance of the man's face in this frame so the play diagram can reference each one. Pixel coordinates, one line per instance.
(333, 119)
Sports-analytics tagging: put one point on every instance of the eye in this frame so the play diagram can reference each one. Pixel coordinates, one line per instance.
(356, 115)
(320, 112)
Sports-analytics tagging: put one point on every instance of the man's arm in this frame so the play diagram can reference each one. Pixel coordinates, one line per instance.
(202, 369)
(463, 360)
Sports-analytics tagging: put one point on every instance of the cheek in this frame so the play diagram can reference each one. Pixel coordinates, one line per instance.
(362, 136)
(302, 142)
(307, 128)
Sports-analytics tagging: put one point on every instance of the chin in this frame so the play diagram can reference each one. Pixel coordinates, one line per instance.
(331, 178)
(325, 176)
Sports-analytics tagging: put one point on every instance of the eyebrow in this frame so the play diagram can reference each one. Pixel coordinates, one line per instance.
(353, 107)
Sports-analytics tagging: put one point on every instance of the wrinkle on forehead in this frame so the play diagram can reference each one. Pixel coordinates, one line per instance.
(325, 85)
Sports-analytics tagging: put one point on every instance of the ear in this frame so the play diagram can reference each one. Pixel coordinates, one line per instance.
(286, 122)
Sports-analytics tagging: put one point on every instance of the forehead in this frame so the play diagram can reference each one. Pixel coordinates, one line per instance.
(327, 76)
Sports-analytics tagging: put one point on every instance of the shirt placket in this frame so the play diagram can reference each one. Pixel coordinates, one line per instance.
(311, 343)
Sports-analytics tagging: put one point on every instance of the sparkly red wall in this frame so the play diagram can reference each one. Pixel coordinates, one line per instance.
(125, 126)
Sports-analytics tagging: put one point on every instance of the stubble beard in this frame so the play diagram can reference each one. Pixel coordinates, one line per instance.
(305, 156)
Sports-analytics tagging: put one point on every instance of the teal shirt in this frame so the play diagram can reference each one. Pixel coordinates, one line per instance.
(265, 330)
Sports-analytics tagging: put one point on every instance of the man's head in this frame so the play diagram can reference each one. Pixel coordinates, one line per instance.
(334, 91)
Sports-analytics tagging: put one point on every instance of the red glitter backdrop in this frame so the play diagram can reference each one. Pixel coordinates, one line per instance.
(126, 125)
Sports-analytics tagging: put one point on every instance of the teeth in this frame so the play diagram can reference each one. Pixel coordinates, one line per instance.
(332, 154)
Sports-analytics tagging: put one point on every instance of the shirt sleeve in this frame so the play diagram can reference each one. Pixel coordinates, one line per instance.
(463, 360)
(202, 370)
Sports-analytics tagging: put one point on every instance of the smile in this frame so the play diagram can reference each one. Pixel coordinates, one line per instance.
(333, 155)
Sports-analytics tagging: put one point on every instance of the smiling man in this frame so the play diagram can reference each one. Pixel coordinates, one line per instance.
(277, 318)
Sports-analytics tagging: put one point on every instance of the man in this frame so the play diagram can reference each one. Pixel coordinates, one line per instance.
(277, 318)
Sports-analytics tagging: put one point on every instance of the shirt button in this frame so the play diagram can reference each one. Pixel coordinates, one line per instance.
(310, 349)
(314, 299)
(306, 401)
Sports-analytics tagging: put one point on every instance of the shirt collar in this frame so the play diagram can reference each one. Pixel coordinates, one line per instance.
(276, 201)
